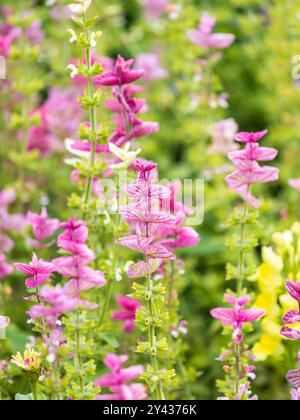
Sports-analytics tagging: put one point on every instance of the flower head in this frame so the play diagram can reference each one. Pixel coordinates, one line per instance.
(237, 317)
(38, 270)
(29, 361)
(205, 38)
(248, 172)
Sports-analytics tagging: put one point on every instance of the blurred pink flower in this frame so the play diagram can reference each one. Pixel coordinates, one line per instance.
(295, 183)
(127, 312)
(155, 8)
(60, 302)
(4, 322)
(43, 227)
(151, 65)
(5, 269)
(34, 32)
(224, 133)
(205, 38)
(118, 375)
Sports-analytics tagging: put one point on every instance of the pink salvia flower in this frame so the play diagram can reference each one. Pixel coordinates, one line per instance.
(127, 312)
(248, 172)
(205, 38)
(38, 270)
(237, 317)
(118, 378)
(121, 75)
(43, 227)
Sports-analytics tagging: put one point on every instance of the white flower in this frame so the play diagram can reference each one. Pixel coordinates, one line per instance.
(124, 155)
(93, 42)
(80, 7)
(73, 36)
(73, 69)
(80, 154)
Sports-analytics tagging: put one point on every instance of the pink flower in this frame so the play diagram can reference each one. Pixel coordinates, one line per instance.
(146, 247)
(151, 66)
(133, 392)
(121, 75)
(6, 41)
(5, 269)
(74, 266)
(293, 378)
(4, 322)
(295, 394)
(143, 269)
(236, 318)
(127, 313)
(119, 375)
(181, 328)
(248, 171)
(205, 38)
(60, 301)
(42, 226)
(34, 33)
(39, 271)
(224, 133)
(293, 290)
(245, 137)
(155, 8)
(40, 139)
(295, 183)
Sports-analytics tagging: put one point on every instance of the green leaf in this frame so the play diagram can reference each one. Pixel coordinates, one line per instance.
(110, 339)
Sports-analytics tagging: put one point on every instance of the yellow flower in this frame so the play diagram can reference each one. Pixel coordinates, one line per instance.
(30, 361)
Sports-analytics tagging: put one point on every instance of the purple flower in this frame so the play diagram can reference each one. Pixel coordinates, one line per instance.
(155, 8)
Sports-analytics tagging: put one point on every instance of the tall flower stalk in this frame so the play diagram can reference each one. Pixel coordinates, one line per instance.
(142, 213)
(247, 172)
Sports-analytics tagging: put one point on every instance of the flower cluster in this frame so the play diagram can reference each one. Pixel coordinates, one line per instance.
(117, 380)
(125, 105)
(144, 214)
(74, 265)
(59, 117)
(248, 171)
(8, 223)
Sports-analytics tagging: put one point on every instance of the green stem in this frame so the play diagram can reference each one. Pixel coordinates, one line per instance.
(241, 266)
(78, 339)
(33, 387)
(93, 119)
(240, 283)
(107, 299)
(152, 341)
